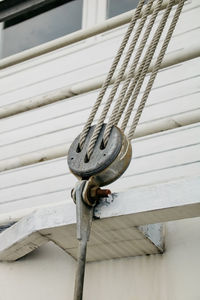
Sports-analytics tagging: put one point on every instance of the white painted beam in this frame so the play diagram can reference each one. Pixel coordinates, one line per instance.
(120, 213)
(164, 202)
(161, 157)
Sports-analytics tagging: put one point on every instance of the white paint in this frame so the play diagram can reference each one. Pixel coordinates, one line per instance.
(88, 85)
(113, 225)
(58, 225)
(172, 276)
(93, 13)
(113, 231)
(49, 273)
(172, 105)
(157, 158)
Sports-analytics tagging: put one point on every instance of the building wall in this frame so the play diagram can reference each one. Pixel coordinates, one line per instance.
(173, 103)
(48, 273)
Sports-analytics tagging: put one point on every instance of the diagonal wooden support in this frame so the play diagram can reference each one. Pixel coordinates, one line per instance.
(119, 228)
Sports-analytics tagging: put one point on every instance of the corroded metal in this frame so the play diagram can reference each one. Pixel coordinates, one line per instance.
(92, 192)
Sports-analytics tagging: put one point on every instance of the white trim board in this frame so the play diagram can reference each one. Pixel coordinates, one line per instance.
(115, 231)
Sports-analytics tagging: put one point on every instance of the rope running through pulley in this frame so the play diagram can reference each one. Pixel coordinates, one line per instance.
(102, 152)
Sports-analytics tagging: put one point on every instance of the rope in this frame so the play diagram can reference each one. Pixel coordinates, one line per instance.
(118, 79)
(122, 101)
(140, 76)
(136, 74)
(156, 68)
(111, 72)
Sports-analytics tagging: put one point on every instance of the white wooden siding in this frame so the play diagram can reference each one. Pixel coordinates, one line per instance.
(59, 123)
(159, 157)
(78, 63)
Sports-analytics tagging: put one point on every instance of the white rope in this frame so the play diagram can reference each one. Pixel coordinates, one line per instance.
(122, 101)
(111, 72)
(118, 79)
(140, 76)
(156, 68)
(136, 75)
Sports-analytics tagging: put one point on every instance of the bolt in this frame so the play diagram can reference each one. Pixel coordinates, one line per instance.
(102, 192)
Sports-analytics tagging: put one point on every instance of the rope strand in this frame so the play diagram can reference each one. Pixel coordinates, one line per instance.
(156, 68)
(143, 69)
(118, 79)
(123, 100)
(136, 73)
(111, 72)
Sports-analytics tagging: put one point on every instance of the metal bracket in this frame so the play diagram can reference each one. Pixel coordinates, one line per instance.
(84, 215)
(105, 165)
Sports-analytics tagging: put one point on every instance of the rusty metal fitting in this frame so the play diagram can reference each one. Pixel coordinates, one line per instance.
(96, 193)
(102, 193)
(92, 192)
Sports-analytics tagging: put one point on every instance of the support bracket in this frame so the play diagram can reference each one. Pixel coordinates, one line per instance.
(120, 227)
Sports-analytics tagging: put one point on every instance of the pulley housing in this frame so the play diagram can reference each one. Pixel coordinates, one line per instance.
(105, 164)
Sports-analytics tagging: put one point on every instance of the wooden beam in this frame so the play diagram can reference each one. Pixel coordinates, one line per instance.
(163, 202)
(122, 214)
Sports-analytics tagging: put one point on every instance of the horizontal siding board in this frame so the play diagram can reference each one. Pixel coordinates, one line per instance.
(82, 104)
(55, 198)
(34, 172)
(192, 5)
(67, 79)
(147, 146)
(62, 109)
(50, 112)
(163, 160)
(157, 176)
(168, 156)
(58, 197)
(94, 60)
(63, 130)
(156, 158)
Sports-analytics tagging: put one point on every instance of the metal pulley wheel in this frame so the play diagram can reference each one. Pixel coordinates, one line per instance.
(105, 164)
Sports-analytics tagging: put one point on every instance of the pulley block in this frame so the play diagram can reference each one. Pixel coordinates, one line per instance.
(106, 163)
